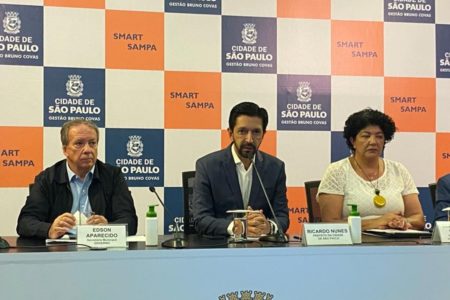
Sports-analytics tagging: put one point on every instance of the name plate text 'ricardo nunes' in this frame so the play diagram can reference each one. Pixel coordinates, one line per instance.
(317, 234)
(102, 236)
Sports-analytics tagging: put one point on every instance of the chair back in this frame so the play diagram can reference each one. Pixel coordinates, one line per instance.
(432, 187)
(188, 195)
(311, 188)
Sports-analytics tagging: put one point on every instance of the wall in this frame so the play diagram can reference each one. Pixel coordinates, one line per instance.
(160, 77)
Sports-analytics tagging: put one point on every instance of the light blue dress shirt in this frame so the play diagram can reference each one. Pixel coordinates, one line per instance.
(80, 195)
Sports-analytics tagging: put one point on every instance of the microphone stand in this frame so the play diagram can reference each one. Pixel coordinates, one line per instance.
(279, 236)
(178, 242)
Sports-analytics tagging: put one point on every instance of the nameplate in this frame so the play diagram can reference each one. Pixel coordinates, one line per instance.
(320, 234)
(441, 232)
(102, 236)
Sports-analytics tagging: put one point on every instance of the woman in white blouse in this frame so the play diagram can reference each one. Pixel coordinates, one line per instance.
(383, 189)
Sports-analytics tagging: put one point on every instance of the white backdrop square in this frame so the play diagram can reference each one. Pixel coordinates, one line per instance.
(417, 152)
(52, 146)
(304, 47)
(134, 99)
(357, 10)
(24, 2)
(253, 8)
(258, 88)
(352, 93)
(192, 42)
(442, 105)
(442, 12)
(139, 5)
(410, 50)
(11, 202)
(74, 37)
(21, 85)
(182, 148)
(101, 145)
(306, 154)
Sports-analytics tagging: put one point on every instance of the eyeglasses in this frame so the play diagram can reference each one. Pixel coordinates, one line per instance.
(256, 133)
(80, 145)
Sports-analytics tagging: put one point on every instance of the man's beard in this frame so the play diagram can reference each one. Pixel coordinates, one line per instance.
(247, 150)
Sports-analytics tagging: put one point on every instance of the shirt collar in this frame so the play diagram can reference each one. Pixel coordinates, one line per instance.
(71, 174)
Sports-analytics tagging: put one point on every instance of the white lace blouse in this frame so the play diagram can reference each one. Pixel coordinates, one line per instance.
(341, 179)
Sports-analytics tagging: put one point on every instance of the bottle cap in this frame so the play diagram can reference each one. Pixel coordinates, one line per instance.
(151, 211)
(354, 211)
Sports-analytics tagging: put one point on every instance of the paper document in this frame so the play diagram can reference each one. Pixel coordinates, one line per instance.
(395, 233)
(64, 239)
(136, 238)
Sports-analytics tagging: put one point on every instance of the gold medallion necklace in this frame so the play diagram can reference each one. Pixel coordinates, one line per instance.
(378, 200)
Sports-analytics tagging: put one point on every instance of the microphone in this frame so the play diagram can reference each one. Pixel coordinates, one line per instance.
(279, 236)
(177, 242)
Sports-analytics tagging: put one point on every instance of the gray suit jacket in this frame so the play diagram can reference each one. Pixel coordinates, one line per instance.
(216, 190)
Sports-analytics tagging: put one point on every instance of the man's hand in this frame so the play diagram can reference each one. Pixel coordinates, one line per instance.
(97, 220)
(257, 224)
(61, 225)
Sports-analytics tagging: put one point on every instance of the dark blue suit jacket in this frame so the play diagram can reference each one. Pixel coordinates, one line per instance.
(216, 190)
(442, 198)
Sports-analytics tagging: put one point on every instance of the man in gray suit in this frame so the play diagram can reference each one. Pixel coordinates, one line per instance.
(225, 179)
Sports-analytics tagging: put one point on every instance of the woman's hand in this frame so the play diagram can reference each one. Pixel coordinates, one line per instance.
(400, 223)
(393, 221)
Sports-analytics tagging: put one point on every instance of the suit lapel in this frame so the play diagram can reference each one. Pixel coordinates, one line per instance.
(229, 169)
